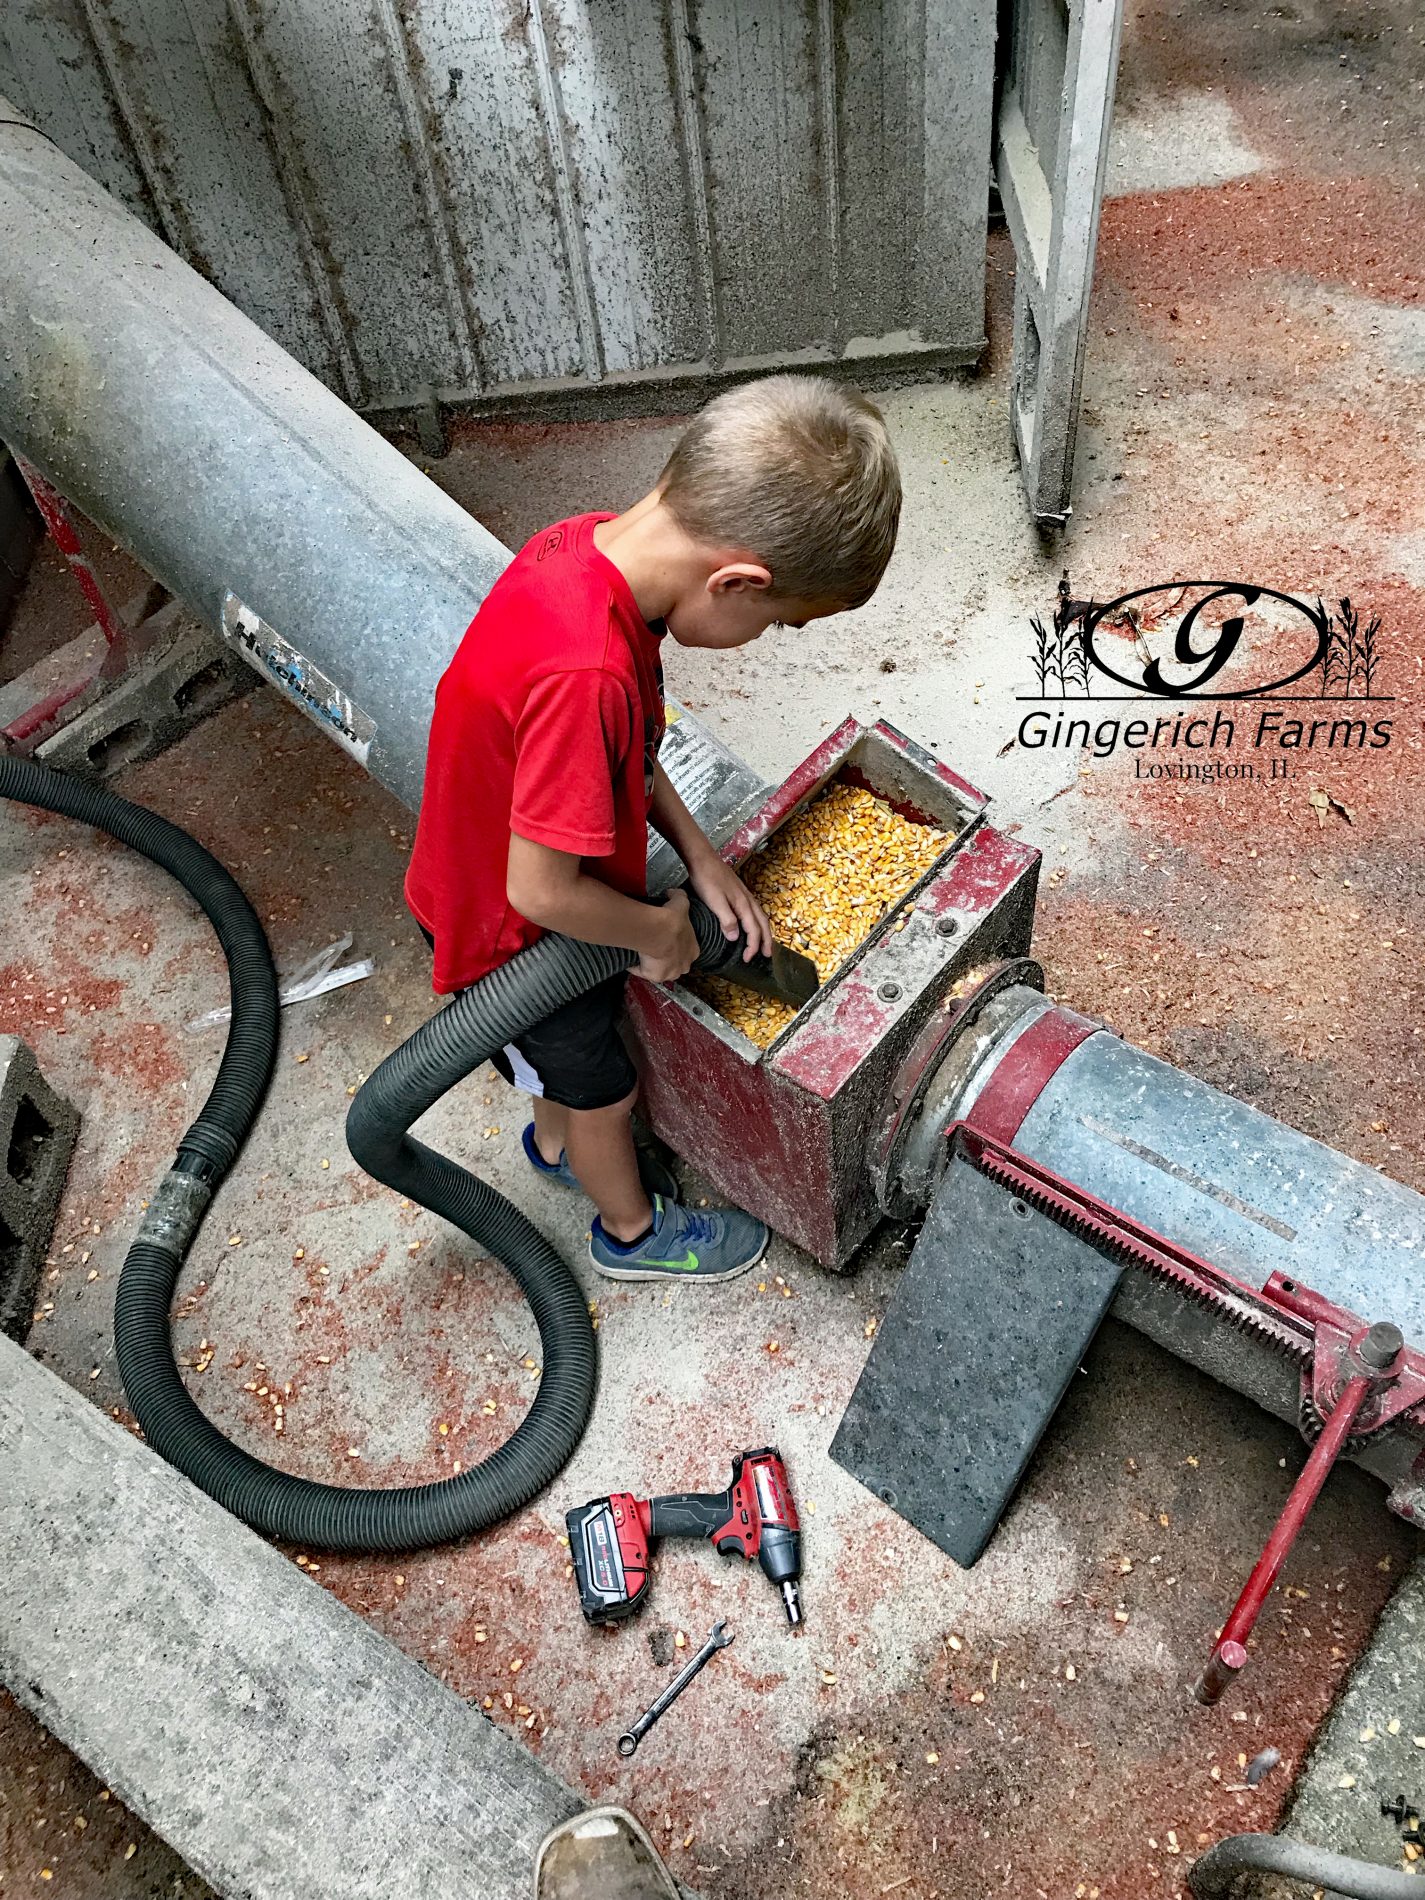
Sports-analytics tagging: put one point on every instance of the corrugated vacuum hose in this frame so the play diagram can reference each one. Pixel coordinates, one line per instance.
(1215, 1875)
(439, 1055)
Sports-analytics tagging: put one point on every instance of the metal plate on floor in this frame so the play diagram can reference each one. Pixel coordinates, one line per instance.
(988, 1325)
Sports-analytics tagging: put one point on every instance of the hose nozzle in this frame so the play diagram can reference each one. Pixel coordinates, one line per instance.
(785, 974)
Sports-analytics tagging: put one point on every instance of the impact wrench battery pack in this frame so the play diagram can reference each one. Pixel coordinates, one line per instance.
(610, 1538)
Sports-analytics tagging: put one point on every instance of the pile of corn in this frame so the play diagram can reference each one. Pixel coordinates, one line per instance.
(826, 880)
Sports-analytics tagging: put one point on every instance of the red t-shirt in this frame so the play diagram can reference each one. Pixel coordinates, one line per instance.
(547, 723)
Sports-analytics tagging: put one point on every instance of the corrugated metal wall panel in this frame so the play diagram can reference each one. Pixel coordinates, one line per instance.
(491, 157)
(489, 198)
(959, 50)
(880, 126)
(336, 89)
(625, 119)
(50, 69)
(200, 140)
(768, 167)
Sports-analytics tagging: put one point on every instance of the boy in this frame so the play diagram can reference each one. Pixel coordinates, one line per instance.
(779, 504)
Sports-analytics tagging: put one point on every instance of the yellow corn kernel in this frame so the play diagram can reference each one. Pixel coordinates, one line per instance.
(826, 879)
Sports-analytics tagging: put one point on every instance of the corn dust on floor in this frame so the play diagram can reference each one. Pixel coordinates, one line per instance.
(825, 880)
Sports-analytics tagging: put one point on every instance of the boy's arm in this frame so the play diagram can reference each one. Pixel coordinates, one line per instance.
(714, 880)
(552, 890)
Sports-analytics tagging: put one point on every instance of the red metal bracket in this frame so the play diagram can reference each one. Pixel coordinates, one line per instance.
(1356, 1378)
(38, 721)
(1025, 1069)
(1337, 1339)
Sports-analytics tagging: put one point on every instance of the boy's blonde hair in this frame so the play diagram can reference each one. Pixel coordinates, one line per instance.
(799, 471)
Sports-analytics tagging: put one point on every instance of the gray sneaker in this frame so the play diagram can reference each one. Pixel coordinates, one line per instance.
(685, 1244)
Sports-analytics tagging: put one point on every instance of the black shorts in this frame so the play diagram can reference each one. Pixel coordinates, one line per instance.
(574, 1057)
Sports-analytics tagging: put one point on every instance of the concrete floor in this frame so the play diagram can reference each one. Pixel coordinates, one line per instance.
(1256, 350)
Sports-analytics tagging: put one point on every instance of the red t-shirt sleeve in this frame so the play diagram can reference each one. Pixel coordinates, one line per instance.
(571, 740)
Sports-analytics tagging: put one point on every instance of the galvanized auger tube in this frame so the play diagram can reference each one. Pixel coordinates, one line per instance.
(342, 573)
(1235, 1186)
(440, 1054)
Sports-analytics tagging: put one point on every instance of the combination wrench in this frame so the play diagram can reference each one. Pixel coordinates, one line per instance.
(717, 1639)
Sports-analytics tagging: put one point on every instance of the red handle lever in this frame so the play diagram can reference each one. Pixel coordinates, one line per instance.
(1230, 1653)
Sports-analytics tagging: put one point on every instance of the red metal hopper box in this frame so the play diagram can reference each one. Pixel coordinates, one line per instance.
(790, 1132)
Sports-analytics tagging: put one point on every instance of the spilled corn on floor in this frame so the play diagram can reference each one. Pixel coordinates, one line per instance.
(826, 879)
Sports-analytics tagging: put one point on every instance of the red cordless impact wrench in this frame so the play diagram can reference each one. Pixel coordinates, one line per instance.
(755, 1517)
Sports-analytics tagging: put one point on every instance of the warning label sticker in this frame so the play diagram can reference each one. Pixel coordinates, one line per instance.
(306, 685)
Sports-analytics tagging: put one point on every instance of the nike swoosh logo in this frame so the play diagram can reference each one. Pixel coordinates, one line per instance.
(688, 1264)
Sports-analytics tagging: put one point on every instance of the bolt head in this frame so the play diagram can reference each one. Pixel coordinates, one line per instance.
(1381, 1344)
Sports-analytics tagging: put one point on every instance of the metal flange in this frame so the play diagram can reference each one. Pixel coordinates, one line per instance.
(908, 1157)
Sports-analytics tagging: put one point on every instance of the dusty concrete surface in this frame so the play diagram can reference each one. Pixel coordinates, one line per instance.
(1368, 1757)
(1252, 396)
(56, 1815)
(306, 1278)
(262, 1696)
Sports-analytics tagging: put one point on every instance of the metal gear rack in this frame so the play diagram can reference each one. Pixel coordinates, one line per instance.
(1357, 1378)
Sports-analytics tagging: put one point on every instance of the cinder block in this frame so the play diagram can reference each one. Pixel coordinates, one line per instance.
(37, 1132)
(184, 677)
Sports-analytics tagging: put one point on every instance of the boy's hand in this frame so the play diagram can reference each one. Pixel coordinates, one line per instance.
(677, 949)
(730, 901)
(719, 886)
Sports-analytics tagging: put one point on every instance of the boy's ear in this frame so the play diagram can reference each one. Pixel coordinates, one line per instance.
(736, 577)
